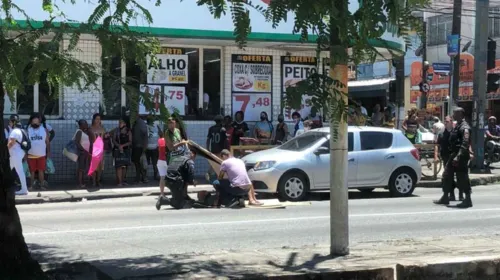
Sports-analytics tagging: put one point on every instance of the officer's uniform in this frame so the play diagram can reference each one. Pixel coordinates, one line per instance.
(180, 174)
(459, 149)
(444, 152)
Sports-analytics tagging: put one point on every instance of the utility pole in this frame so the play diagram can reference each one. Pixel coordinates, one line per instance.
(455, 60)
(400, 89)
(479, 96)
(425, 66)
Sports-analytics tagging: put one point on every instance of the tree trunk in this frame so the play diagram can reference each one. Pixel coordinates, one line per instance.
(339, 216)
(15, 259)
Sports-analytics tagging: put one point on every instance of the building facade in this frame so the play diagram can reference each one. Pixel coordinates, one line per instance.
(202, 74)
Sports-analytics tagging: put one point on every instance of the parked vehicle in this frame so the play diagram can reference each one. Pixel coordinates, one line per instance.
(377, 158)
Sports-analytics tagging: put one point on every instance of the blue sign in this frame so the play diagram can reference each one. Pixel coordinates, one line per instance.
(453, 45)
(441, 67)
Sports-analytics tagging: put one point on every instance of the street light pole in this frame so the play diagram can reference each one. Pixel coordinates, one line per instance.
(455, 60)
(423, 97)
(479, 97)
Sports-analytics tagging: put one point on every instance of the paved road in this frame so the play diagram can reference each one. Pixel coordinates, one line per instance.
(133, 228)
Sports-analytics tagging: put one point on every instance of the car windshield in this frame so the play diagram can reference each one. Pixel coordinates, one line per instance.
(303, 141)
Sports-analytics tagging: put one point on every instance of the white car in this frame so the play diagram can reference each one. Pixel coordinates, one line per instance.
(378, 158)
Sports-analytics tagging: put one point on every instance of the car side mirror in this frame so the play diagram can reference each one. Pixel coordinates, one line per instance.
(322, 151)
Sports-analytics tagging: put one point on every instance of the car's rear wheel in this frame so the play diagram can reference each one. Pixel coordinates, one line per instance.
(402, 182)
(293, 186)
(366, 190)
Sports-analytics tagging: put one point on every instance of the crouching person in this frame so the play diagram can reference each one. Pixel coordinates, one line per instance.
(233, 191)
(180, 174)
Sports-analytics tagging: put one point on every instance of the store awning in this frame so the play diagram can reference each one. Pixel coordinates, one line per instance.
(369, 88)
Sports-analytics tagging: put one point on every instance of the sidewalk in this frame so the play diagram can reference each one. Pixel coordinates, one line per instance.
(472, 257)
(106, 193)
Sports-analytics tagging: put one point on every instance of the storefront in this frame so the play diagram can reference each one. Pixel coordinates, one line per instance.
(201, 73)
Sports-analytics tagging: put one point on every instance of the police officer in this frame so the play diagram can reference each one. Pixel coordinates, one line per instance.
(443, 140)
(180, 174)
(458, 162)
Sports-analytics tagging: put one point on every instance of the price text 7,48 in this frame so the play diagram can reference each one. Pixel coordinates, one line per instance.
(261, 102)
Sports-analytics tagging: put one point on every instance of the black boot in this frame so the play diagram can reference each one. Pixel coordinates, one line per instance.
(467, 203)
(444, 200)
(461, 196)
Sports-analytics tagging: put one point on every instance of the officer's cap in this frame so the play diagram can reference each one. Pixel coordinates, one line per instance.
(458, 109)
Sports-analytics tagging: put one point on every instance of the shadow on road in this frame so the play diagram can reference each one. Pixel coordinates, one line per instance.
(354, 194)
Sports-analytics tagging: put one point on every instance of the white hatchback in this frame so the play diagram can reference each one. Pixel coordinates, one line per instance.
(378, 158)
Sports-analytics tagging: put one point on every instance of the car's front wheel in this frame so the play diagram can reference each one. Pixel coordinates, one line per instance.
(293, 186)
(402, 182)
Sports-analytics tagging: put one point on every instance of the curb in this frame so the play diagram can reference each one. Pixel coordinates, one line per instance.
(474, 182)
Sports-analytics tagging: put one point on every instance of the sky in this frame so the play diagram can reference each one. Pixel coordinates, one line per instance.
(184, 14)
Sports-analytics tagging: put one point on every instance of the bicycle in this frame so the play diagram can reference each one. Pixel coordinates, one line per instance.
(427, 162)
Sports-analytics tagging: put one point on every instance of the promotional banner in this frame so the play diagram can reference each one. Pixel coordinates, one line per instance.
(293, 70)
(175, 98)
(154, 93)
(252, 73)
(171, 69)
(252, 77)
(252, 105)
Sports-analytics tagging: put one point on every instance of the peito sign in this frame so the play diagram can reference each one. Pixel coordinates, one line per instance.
(170, 69)
(295, 69)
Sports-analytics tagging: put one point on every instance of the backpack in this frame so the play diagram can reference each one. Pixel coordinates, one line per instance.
(26, 142)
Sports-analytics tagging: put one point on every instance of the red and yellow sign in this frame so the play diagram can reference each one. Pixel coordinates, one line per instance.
(440, 83)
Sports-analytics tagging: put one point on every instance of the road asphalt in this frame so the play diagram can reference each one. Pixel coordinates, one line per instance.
(133, 228)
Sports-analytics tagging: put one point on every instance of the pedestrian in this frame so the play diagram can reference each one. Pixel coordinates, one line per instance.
(18, 144)
(443, 141)
(83, 143)
(154, 132)
(139, 146)
(492, 137)
(458, 161)
(239, 182)
(306, 128)
(97, 130)
(297, 120)
(217, 138)
(377, 116)
(281, 133)
(122, 140)
(162, 169)
(228, 121)
(180, 175)
(177, 146)
(263, 129)
(40, 150)
(240, 128)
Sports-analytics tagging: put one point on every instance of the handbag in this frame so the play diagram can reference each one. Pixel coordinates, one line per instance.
(71, 149)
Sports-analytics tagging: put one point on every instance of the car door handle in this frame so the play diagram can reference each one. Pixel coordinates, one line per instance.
(389, 157)
(351, 160)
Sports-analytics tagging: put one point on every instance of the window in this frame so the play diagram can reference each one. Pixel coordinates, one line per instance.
(303, 141)
(211, 82)
(375, 140)
(111, 102)
(192, 88)
(438, 29)
(41, 96)
(365, 71)
(350, 142)
(494, 23)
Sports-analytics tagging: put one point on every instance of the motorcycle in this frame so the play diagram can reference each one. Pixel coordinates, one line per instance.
(489, 159)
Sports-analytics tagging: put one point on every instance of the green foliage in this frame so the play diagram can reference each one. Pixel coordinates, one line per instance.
(23, 60)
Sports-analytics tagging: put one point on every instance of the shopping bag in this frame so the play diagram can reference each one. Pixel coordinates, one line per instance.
(26, 169)
(97, 155)
(50, 167)
(71, 151)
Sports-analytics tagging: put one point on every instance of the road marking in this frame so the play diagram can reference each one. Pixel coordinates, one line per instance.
(456, 211)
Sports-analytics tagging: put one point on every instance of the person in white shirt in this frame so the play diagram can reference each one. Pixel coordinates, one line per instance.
(17, 153)
(206, 100)
(40, 149)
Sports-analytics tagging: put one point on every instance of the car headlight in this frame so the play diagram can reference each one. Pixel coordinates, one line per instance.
(262, 165)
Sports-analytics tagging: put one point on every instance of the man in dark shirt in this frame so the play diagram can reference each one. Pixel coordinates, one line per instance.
(240, 128)
(139, 146)
(444, 151)
(217, 138)
(492, 136)
(180, 174)
(458, 162)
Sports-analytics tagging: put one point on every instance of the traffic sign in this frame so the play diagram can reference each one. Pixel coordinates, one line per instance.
(425, 87)
(453, 44)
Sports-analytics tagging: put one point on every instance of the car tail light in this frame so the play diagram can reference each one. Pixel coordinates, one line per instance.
(415, 154)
